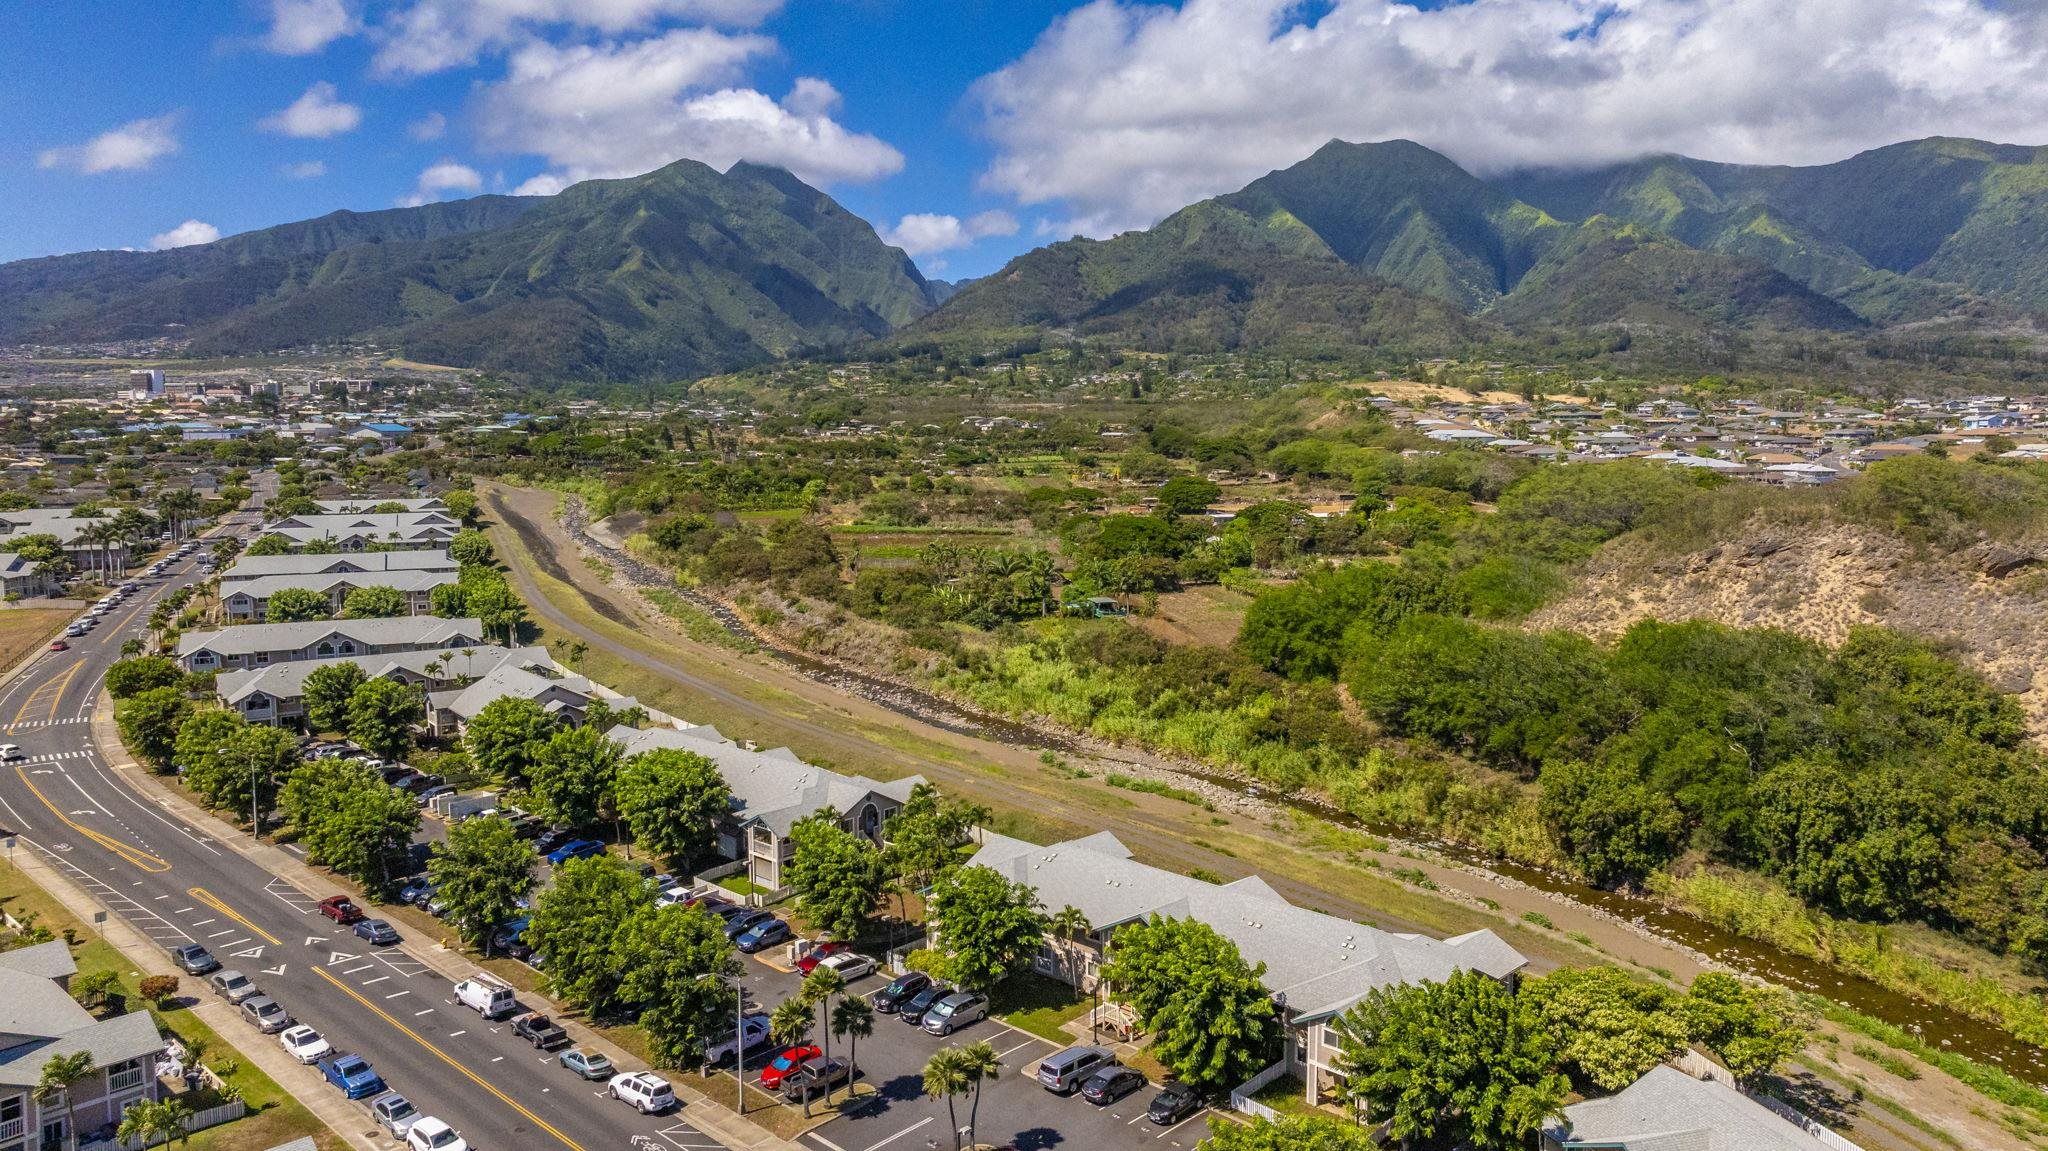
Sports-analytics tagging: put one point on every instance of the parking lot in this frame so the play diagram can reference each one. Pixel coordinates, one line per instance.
(1015, 1110)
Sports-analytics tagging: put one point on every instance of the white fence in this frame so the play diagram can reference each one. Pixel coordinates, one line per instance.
(1241, 1100)
(197, 1121)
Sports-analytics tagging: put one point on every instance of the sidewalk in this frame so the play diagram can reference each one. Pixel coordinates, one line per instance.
(731, 1130)
(345, 1119)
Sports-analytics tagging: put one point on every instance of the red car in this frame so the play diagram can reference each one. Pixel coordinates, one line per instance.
(59, 645)
(341, 909)
(818, 953)
(784, 1065)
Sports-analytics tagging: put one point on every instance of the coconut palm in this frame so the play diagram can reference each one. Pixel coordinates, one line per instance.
(149, 1121)
(945, 1077)
(853, 1020)
(59, 1075)
(818, 989)
(1069, 925)
(979, 1064)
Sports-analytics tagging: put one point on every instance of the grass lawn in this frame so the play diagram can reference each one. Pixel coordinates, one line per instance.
(1039, 1005)
(24, 629)
(274, 1116)
(741, 885)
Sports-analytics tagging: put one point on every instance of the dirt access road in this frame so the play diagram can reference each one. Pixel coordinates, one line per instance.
(633, 647)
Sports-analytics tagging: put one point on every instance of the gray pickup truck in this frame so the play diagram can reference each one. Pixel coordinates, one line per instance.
(539, 1030)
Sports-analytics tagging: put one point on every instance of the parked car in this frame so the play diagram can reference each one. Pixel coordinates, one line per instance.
(819, 953)
(575, 849)
(341, 909)
(589, 1064)
(376, 931)
(304, 1044)
(954, 1012)
(544, 1033)
(352, 1075)
(753, 1034)
(429, 795)
(766, 933)
(266, 1013)
(850, 965)
(912, 1010)
(430, 1134)
(899, 989)
(1173, 1104)
(394, 1113)
(194, 959)
(487, 995)
(420, 783)
(12, 753)
(550, 839)
(417, 891)
(59, 645)
(233, 986)
(509, 938)
(649, 1093)
(1063, 1072)
(814, 1077)
(784, 1065)
(738, 925)
(1110, 1084)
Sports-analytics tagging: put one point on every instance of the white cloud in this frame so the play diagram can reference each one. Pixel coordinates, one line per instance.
(185, 235)
(303, 27)
(131, 147)
(440, 179)
(315, 115)
(427, 127)
(619, 109)
(305, 170)
(923, 233)
(1124, 112)
(427, 36)
(545, 184)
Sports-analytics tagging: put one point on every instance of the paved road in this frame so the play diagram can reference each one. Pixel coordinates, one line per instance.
(176, 884)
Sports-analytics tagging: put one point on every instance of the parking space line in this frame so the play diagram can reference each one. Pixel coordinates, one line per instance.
(899, 1134)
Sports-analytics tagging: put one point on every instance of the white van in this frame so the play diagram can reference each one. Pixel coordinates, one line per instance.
(487, 995)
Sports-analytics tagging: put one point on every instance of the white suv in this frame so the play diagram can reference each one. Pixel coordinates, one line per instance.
(647, 1092)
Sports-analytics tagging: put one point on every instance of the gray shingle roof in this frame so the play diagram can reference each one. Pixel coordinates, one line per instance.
(405, 631)
(507, 679)
(263, 587)
(50, 960)
(773, 788)
(257, 567)
(1668, 1110)
(287, 680)
(116, 1040)
(1322, 963)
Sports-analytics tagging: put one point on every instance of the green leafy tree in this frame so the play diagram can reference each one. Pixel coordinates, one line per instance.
(677, 960)
(571, 776)
(1186, 495)
(463, 506)
(1214, 1020)
(986, 925)
(504, 737)
(924, 837)
(296, 605)
(838, 876)
(472, 548)
(231, 761)
(481, 871)
(132, 676)
(1752, 1028)
(1607, 1026)
(448, 602)
(1609, 823)
(1294, 1133)
(373, 603)
(275, 544)
(381, 715)
(327, 692)
(577, 922)
(149, 722)
(1462, 1062)
(349, 819)
(672, 800)
(202, 740)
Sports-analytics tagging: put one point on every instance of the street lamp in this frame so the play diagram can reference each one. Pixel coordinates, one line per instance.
(255, 794)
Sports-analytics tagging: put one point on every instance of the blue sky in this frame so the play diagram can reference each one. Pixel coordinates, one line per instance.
(965, 130)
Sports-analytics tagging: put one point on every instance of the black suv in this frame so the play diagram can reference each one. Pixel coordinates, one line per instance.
(900, 988)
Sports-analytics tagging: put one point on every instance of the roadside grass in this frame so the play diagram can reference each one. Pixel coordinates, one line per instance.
(1993, 1082)
(24, 629)
(1034, 1003)
(274, 1115)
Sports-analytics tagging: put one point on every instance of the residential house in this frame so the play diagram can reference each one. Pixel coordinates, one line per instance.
(249, 599)
(356, 504)
(262, 644)
(360, 532)
(275, 694)
(40, 1020)
(1669, 1110)
(67, 528)
(1316, 965)
(771, 791)
(22, 577)
(566, 697)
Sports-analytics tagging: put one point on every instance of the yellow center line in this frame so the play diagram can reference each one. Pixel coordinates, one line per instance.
(37, 694)
(450, 1060)
(128, 852)
(213, 901)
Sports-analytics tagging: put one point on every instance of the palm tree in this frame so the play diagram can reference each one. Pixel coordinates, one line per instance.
(790, 1025)
(945, 1077)
(818, 989)
(1068, 925)
(59, 1075)
(148, 1121)
(853, 1020)
(979, 1063)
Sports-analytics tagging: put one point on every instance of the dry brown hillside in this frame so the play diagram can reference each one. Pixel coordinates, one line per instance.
(1819, 579)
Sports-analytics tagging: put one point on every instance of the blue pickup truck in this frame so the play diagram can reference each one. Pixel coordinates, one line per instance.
(353, 1075)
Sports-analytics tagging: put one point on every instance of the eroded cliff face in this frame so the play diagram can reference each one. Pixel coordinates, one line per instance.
(1989, 603)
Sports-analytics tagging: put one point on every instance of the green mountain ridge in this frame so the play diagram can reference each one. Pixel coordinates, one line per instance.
(676, 273)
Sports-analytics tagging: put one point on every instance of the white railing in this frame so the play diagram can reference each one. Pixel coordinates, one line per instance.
(1241, 1100)
(197, 1121)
